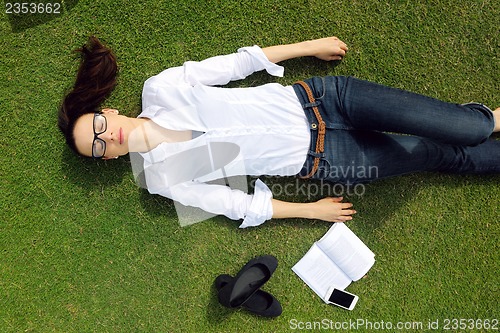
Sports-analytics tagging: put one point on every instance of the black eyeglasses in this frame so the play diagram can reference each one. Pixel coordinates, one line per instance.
(99, 145)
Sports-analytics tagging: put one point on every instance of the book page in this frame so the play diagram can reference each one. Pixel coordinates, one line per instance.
(347, 251)
(319, 272)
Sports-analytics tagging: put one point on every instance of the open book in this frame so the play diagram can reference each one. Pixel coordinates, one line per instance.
(337, 259)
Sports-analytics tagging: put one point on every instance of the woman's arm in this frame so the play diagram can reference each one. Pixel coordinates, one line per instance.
(327, 209)
(220, 70)
(329, 48)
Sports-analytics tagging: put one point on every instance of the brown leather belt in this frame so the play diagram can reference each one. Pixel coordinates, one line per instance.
(320, 142)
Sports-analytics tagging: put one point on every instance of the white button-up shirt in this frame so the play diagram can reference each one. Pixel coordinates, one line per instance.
(257, 131)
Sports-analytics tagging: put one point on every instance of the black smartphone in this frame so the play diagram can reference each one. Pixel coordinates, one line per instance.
(341, 298)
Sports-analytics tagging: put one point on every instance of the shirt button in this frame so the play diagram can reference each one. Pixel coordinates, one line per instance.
(314, 126)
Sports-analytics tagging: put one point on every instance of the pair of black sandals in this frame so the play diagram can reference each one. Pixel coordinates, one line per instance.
(243, 290)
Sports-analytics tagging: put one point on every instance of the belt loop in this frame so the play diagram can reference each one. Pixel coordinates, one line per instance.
(312, 104)
(320, 142)
(315, 154)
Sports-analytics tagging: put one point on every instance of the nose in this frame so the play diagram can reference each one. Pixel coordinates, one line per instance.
(107, 136)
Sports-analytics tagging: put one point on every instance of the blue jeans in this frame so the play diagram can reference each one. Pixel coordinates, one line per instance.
(374, 132)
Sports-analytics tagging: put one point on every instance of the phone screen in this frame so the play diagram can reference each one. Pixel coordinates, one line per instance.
(341, 298)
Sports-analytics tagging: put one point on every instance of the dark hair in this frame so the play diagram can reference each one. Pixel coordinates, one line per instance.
(95, 80)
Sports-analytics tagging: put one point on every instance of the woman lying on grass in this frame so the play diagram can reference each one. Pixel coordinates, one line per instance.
(191, 132)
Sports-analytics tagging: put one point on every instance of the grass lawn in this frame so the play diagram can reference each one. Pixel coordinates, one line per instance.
(83, 249)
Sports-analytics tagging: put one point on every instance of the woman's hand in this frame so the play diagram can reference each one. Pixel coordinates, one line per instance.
(332, 210)
(329, 48)
(327, 209)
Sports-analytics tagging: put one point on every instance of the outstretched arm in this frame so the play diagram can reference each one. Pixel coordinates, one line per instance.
(327, 209)
(329, 48)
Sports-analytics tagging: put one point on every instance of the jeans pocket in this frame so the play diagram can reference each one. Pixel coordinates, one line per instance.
(324, 171)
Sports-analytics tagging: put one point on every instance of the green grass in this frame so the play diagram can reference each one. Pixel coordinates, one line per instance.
(83, 249)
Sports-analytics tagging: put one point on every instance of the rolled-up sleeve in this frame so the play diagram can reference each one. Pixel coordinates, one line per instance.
(260, 62)
(261, 208)
(254, 209)
(218, 70)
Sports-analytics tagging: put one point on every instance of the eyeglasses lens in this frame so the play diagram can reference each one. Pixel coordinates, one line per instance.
(99, 146)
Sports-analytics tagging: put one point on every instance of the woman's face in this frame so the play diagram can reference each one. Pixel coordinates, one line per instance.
(105, 135)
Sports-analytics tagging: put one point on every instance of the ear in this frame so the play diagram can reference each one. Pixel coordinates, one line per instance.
(114, 111)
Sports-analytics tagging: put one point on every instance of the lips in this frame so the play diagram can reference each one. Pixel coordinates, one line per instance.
(120, 135)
